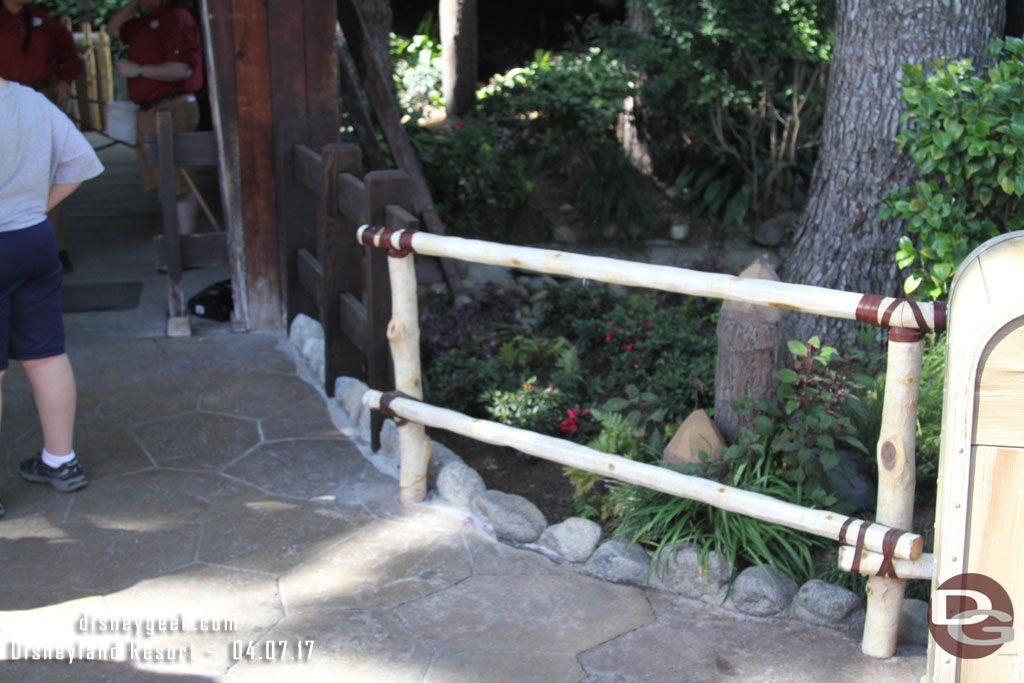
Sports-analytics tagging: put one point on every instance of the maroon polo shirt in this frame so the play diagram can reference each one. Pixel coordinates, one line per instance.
(167, 34)
(51, 50)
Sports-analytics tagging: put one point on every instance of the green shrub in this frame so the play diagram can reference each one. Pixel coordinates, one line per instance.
(571, 101)
(458, 380)
(964, 133)
(733, 93)
(416, 69)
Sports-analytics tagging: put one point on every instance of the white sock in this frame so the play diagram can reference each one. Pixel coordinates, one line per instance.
(55, 461)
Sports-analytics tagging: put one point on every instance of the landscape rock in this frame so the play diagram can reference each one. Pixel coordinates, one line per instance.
(679, 569)
(303, 328)
(914, 622)
(819, 602)
(697, 433)
(313, 352)
(620, 562)
(512, 517)
(574, 539)
(761, 591)
(679, 231)
(565, 235)
(352, 400)
(389, 442)
(459, 484)
(440, 455)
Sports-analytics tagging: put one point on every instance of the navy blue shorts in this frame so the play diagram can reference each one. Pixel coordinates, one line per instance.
(31, 324)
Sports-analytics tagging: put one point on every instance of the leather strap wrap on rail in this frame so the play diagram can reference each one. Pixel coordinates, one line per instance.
(385, 406)
(368, 236)
(888, 548)
(867, 309)
(844, 528)
(859, 548)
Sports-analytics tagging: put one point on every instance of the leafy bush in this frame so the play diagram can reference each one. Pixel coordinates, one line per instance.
(929, 414)
(458, 380)
(478, 177)
(735, 91)
(963, 131)
(101, 9)
(572, 101)
(416, 69)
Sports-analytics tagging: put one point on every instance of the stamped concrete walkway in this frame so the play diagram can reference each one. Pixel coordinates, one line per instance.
(224, 500)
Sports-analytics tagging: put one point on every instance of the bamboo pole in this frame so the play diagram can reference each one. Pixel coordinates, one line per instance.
(90, 77)
(106, 71)
(871, 563)
(404, 336)
(875, 310)
(896, 481)
(907, 546)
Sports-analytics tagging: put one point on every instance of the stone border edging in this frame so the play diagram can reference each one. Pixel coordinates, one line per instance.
(575, 543)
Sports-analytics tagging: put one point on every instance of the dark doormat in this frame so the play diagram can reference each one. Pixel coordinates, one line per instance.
(101, 296)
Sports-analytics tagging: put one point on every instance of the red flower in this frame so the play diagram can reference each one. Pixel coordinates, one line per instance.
(573, 414)
(629, 346)
(607, 336)
(460, 124)
(568, 426)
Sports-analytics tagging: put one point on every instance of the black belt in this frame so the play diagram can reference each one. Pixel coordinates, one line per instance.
(145, 106)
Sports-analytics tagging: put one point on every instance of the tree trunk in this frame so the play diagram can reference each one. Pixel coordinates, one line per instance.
(841, 242)
(458, 19)
(377, 17)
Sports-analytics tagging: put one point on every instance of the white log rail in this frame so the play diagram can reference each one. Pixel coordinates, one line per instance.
(875, 537)
(870, 563)
(874, 310)
(884, 545)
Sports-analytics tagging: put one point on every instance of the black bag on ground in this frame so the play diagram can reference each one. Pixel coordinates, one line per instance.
(213, 302)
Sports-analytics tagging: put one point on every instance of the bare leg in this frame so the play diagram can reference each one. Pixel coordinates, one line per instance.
(188, 213)
(53, 387)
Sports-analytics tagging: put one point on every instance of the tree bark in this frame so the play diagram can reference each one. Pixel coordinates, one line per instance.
(378, 18)
(841, 242)
(458, 20)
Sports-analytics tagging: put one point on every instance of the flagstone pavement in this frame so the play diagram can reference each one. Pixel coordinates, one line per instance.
(232, 531)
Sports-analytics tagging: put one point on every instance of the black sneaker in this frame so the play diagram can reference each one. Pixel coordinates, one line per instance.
(67, 477)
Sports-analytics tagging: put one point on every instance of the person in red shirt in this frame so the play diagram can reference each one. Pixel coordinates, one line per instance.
(36, 50)
(164, 70)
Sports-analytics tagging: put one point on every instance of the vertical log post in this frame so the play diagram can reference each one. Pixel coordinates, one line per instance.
(296, 215)
(896, 480)
(178, 323)
(382, 188)
(340, 264)
(404, 337)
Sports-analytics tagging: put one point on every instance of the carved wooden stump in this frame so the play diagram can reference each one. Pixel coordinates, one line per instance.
(750, 352)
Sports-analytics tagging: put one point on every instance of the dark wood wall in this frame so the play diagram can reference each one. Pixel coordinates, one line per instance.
(274, 60)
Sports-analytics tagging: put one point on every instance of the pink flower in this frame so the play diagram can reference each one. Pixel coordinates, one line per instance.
(636, 366)
(629, 346)
(573, 414)
(607, 336)
(568, 426)
(611, 324)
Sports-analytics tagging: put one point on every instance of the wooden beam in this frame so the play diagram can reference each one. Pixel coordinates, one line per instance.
(256, 154)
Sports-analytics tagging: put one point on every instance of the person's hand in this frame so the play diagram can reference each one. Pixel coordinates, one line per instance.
(63, 92)
(127, 69)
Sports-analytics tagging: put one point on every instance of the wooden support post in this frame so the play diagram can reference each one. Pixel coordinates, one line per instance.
(178, 324)
(404, 336)
(296, 218)
(382, 188)
(896, 481)
(341, 266)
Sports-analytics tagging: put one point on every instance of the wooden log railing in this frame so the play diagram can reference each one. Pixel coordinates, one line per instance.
(884, 547)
